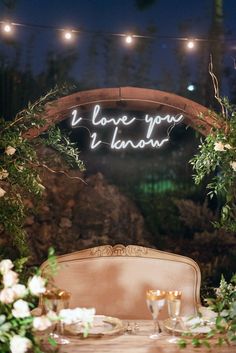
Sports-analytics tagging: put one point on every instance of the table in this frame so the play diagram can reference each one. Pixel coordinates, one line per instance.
(138, 342)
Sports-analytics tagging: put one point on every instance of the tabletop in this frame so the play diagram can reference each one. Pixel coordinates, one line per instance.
(135, 341)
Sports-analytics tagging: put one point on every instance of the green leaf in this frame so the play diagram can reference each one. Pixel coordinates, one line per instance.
(182, 343)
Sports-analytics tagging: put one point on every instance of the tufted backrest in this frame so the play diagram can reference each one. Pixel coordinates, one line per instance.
(114, 280)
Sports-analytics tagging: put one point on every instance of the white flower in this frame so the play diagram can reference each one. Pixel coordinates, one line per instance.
(36, 285)
(233, 165)
(10, 278)
(207, 313)
(2, 192)
(7, 296)
(19, 290)
(6, 265)
(52, 315)
(10, 150)
(41, 323)
(70, 316)
(219, 146)
(228, 146)
(21, 309)
(19, 344)
(85, 315)
(3, 174)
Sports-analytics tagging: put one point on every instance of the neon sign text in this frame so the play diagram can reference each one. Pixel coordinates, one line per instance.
(117, 142)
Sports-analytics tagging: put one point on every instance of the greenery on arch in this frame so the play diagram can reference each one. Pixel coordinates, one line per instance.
(20, 164)
(217, 159)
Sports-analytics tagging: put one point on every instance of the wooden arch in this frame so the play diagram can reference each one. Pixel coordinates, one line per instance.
(129, 98)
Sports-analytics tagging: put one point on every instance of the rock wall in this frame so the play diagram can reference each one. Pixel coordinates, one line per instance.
(74, 215)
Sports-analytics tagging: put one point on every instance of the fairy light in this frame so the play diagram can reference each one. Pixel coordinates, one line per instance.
(129, 39)
(68, 35)
(190, 44)
(7, 28)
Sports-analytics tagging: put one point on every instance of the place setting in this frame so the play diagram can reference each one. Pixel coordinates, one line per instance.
(71, 325)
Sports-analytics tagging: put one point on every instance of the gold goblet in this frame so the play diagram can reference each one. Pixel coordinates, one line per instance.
(55, 300)
(174, 305)
(155, 299)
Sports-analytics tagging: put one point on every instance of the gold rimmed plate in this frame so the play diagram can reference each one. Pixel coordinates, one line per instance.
(102, 326)
(189, 325)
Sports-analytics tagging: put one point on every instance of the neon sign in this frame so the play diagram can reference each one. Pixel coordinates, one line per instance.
(119, 124)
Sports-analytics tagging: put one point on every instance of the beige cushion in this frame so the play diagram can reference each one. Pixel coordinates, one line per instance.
(114, 280)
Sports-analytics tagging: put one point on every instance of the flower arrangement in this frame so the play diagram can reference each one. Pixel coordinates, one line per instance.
(221, 311)
(217, 160)
(17, 324)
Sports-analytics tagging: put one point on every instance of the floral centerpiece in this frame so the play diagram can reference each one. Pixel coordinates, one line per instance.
(18, 326)
(221, 312)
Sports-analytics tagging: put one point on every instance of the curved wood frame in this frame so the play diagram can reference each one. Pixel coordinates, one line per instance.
(129, 98)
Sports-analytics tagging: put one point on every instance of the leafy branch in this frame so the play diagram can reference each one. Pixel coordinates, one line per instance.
(224, 307)
(217, 159)
(20, 165)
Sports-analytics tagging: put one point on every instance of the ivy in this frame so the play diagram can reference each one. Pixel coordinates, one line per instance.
(217, 160)
(20, 164)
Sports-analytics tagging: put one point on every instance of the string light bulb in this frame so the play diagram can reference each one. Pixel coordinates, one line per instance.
(190, 44)
(129, 39)
(68, 35)
(7, 28)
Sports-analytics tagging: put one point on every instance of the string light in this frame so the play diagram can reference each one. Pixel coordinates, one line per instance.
(129, 39)
(190, 44)
(68, 35)
(7, 28)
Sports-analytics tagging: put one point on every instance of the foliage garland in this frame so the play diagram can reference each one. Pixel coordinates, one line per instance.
(217, 159)
(19, 164)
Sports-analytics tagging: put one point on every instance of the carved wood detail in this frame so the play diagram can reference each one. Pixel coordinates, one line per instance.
(119, 250)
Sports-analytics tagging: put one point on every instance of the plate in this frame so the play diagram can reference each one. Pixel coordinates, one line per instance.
(187, 325)
(102, 326)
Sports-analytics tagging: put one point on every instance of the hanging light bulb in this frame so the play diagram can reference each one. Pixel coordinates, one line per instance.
(190, 44)
(7, 28)
(129, 39)
(68, 35)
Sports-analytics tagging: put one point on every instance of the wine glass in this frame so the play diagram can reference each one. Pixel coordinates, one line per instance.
(174, 305)
(155, 299)
(54, 300)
